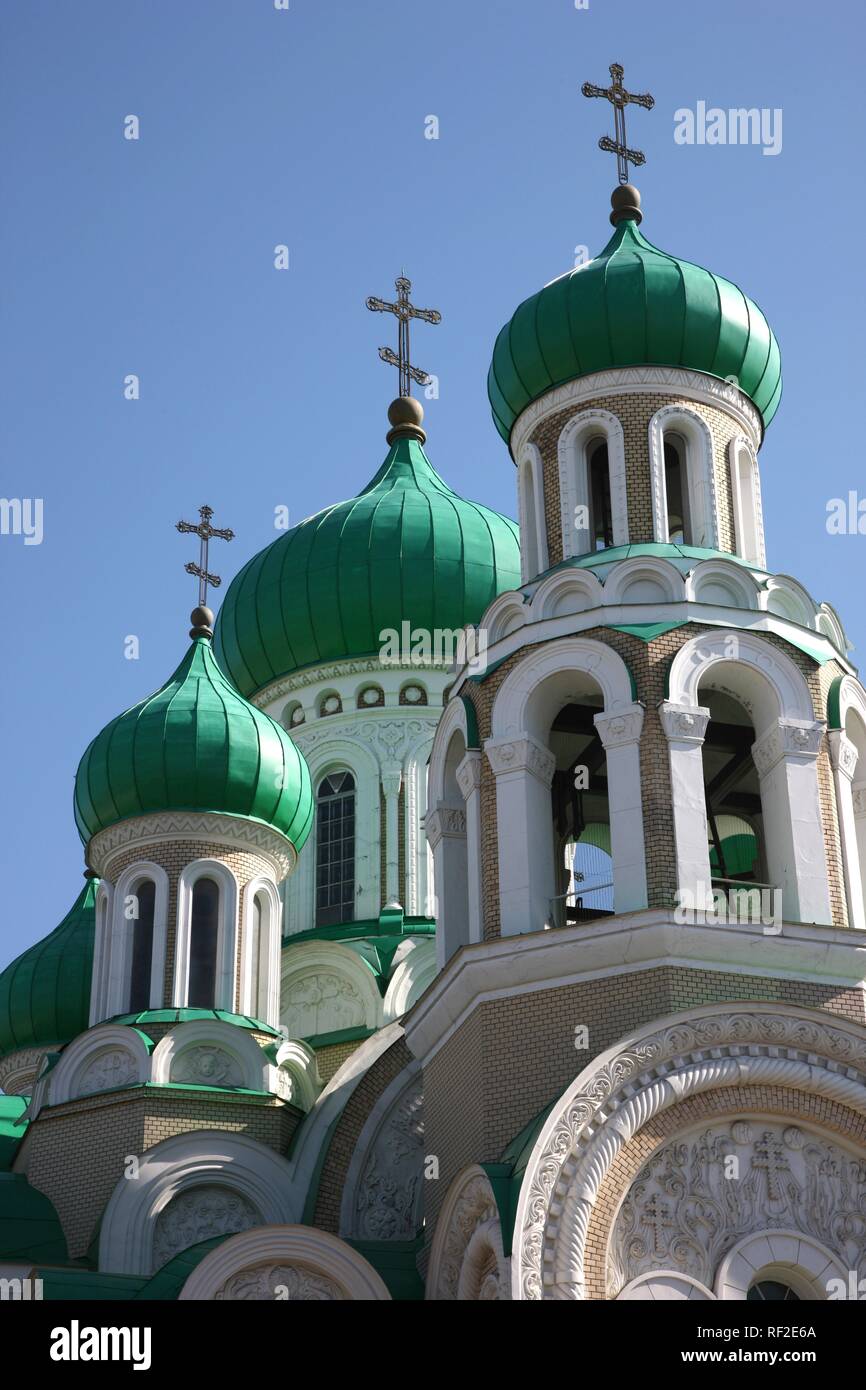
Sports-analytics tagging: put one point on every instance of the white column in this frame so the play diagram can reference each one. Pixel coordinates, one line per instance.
(446, 833)
(392, 777)
(786, 758)
(524, 817)
(685, 727)
(469, 782)
(620, 733)
(843, 759)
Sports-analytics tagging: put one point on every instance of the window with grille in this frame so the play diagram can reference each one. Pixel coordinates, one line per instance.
(335, 850)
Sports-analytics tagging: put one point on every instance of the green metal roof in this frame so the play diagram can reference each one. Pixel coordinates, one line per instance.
(12, 1130)
(196, 745)
(632, 306)
(407, 549)
(45, 993)
(29, 1226)
(192, 1015)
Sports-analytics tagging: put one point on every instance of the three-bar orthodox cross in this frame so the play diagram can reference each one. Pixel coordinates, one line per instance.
(205, 533)
(619, 98)
(404, 311)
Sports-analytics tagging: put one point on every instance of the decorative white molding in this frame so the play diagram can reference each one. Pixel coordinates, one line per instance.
(337, 672)
(202, 1158)
(746, 494)
(620, 728)
(792, 1256)
(285, 1263)
(325, 988)
(104, 1057)
(207, 1052)
(383, 1189)
(445, 821)
(252, 989)
(227, 933)
(467, 1263)
(628, 381)
(619, 1092)
(686, 724)
(506, 967)
(519, 755)
(410, 978)
(116, 949)
(531, 514)
(170, 826)
(765, 680)
(664, 1285)
(574, 480)
(519, 707)
(199, 1214)
(700, 474)
(787, 738)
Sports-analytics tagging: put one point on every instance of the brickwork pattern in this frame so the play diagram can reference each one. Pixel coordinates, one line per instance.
(711, 1107)
(174, 857)
(634, 412)
(345, 1136)
(75, 1153)
(514, 1055)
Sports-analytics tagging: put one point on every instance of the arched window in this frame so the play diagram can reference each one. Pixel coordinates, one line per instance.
(528, 521)
(204, 934)
(746, 493)
(601, 515)
(142, 945)
(258, 959)
(677, 491)
(772, 1291)
(335, 850)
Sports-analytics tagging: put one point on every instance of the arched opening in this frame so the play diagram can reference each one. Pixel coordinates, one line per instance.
(734, 808)
(203, 943)
(746, 492)
(771, 1291)
(600, 510)
(335, 850)
(677, 490)
(528, 522)
(141, 964)
(855, 730)
(259, 954)
(583, 868)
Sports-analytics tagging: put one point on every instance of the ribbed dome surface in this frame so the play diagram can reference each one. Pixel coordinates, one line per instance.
(632, 306)
(45, 993)
(196, 745)
(407, 548)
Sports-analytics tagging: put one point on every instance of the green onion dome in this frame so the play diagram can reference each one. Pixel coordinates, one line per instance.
(406, 549)
(196, 745)
(45, 993)
(632, 306)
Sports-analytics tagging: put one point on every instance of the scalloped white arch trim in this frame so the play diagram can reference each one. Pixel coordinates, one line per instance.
(469, 1207)
(530, 502)
(574, 481)
(662, 581)
(664, 1286)
(315, 1250)
(227, 933)
(202, 1157)
(310, 958)
(700, 474)
(414, 973)
(239, 1044)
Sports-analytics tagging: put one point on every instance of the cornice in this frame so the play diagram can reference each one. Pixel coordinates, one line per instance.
(625, 381)
(231, 831)
(334, 671)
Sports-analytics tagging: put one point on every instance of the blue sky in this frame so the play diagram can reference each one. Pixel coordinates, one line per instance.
(262, 388)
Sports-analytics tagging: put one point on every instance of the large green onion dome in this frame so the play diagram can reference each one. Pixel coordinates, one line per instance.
(196, 745)
(632, 306)
(45, 993)
(406, 549)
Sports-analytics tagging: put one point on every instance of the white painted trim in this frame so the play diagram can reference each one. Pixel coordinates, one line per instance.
(788, 693)
(574, 484)
(530, 477)
(512, 709)
(271, 924)
(700, 477)
(169, 827)
(386, 1103)
(318, 1251)
(666, 1285)
(100, 973)
(227, 935)
(341, 752)
(469, 1207)
(64, 1082)
(748, 511)
(236, 1042)
(187, 1161)
(120, 950)
(507, 967)
(791, 1256)
(411, 977)
(311, 958)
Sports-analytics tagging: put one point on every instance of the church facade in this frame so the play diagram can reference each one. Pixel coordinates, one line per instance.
(467, 921)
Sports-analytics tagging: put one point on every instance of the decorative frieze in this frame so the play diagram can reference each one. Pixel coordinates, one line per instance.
(233, 832)
(787, 738)
(684, 723)
(510, 755)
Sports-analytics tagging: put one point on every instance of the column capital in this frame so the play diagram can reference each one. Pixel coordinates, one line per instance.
(469, 772)
(621, 726)
(520, 754)
(787, 738)
(392, 779)
(684, 724)
(444, 821)
(843, 753)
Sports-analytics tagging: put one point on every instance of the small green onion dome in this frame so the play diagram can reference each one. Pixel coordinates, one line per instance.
(45, 993)
(632, 306)
(196, 745)
(407, 549)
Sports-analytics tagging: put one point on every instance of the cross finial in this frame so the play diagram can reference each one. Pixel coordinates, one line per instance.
(404, 311)
(619, 98)
(205, 533)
